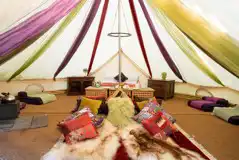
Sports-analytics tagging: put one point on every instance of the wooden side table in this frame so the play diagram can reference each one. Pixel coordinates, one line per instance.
(163, 89)
(93, 91)
(143, 92)
(127, 91)
(77, 85)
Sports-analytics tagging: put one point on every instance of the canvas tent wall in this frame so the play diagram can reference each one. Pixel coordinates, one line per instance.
(12, 11)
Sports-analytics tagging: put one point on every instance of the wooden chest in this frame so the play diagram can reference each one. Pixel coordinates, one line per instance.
(163, 89)
(77, 85)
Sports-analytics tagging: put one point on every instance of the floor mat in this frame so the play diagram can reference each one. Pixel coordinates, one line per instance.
(25, 122)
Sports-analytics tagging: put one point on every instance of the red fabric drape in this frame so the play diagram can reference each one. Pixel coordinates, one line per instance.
(139, 34)
(80, 36)
(160, 44)
(97, 39)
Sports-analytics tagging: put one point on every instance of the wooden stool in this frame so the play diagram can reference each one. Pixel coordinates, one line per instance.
(93, 91)
(143, 92)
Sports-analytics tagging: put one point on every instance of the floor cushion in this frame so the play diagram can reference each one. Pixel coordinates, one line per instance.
(217, 100)
(203, 105)
(230, 114)
(45, 97)
(36, 99)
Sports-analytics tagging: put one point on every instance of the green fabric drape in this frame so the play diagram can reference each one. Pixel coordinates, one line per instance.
(50, 41)
(184, 45)
(218, 45)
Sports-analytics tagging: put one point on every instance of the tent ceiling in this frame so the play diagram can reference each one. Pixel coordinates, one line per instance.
(11, 11)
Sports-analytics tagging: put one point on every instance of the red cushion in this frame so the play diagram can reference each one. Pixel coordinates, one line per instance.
(86, 132)
(77, 123)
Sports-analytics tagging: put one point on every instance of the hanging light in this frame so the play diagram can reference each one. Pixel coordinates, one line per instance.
(120, 34)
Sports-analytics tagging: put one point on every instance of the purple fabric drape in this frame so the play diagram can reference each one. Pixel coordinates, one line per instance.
(161, 47)
(35, 25)
(139, 34)
(80, 36)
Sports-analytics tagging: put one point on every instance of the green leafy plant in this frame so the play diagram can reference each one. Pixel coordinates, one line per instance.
(164, 75)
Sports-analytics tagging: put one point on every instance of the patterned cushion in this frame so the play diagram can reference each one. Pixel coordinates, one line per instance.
(151, 108)
(123, 77)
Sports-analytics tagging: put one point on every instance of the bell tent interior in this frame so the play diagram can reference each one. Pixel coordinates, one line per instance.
(63, 58)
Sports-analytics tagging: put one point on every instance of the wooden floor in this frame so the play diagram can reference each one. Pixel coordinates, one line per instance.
(218, 137)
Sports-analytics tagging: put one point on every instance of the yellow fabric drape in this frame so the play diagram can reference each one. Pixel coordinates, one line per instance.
(217, 44)
(185, 46)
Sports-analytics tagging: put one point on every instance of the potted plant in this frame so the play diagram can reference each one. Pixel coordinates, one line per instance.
(85, 70)
(164, 76)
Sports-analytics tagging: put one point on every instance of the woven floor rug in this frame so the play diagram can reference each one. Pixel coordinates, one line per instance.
(25, 122)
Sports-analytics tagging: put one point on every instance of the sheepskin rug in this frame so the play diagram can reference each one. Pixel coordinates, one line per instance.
(135, 138)
(103, 147)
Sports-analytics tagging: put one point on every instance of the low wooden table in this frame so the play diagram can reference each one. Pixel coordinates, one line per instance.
(93, 91)
(143, 92)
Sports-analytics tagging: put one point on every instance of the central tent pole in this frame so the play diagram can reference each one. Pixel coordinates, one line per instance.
(119, 41)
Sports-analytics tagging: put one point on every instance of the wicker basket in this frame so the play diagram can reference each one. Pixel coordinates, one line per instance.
(127, 91)
(143, 92)
(93, 91)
